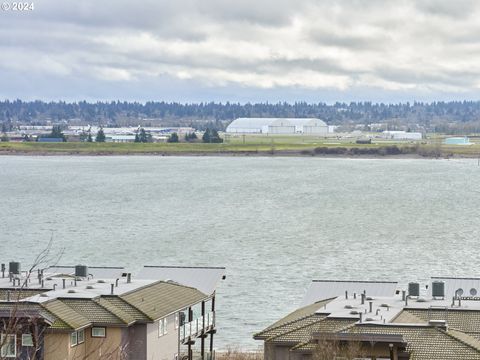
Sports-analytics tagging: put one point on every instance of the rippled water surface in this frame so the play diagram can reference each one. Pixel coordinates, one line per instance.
(275, 223)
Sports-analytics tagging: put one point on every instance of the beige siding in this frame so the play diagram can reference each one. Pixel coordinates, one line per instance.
(57, 346)
(164, 347)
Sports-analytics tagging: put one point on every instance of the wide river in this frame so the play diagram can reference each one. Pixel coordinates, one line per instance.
(275, 223)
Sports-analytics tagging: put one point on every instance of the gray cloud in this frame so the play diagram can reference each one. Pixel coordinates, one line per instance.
(425, 48)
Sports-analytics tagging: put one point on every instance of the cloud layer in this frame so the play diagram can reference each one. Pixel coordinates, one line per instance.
(190, 49)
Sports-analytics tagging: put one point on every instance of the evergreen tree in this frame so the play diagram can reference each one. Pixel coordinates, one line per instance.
(173, 138)
(100, 136)
(57, 133)
(89, 137)
(142, 136)
(211, 136)
(4, 138)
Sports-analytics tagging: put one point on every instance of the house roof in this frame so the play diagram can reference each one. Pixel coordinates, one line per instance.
(382, 317)
(162, 298)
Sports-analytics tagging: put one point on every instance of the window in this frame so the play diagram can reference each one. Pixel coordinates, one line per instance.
(73, 339)
(81, 336)
(162, 327)
(27, 340)
(98, 332)
(9, 348)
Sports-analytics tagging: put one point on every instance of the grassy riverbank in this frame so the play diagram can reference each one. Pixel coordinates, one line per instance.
(251, 146)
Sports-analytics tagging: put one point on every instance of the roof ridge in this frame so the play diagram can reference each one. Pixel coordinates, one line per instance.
(93, 300)
(56, 300)
(284, 324)
(126, 302)
(296, 329)
(459, 339)
(159, 282)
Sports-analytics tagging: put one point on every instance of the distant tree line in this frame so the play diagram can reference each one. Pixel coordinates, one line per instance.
(454, 116)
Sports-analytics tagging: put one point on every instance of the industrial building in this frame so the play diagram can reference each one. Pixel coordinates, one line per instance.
(402, 135)
(379, 320)
(80, 312)
(307, 126)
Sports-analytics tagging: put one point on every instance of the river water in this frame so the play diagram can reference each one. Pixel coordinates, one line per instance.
(275, 223)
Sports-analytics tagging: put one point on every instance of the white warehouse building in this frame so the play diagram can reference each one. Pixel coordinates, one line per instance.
(311, 126)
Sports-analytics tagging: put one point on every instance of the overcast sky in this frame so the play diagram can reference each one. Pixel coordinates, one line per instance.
(243, 50)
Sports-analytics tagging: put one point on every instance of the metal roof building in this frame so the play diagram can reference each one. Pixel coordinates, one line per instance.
(327, 289)
(204, 279)
(312, 126)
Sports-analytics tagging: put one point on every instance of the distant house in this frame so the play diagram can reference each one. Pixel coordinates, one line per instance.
(377, 320)
(49, 140)
(105, 313)
(310, 126)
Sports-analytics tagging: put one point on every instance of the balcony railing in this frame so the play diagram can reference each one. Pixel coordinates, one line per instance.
(197, 355)
(197, 327)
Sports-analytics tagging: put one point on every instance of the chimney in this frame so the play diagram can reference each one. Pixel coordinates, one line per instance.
(129, 278)
(361, 317)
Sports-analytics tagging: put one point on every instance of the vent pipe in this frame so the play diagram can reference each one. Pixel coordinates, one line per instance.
(403, 295)
(354, 295)
(363, 299)
(346, 295)
(459, 301)
(3, 270)
(370, 306)
(406, 300)
(43, 283)
(129, 278)
(54, 287)
(111, 288)
(116, 282)
(361, 318)
(63, 283)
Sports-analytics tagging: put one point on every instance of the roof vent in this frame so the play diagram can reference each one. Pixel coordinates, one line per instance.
(368, 298)
(101, 281)
(14, 267)
(48, 278)
(438, 323)
(43, 295)
(385, 305)
(438, 289)
(81, 271)
(369, 319)
(71, 291)
(413, 289)
(348, 307)
(421, 299)
(354, 312)
(89, 287)
(473, 292)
